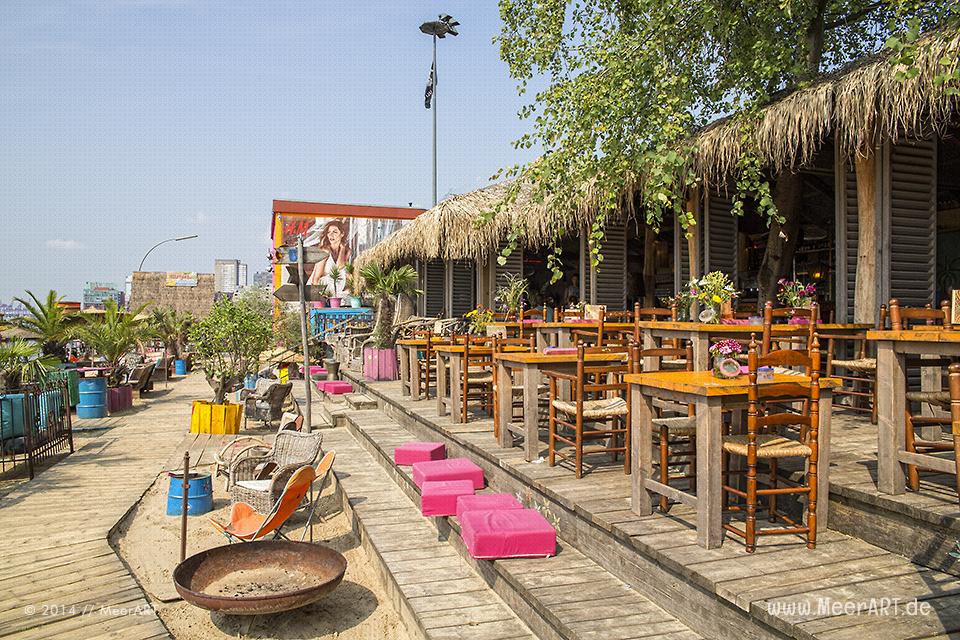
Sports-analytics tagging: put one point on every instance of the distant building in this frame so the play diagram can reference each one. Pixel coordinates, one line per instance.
(263, 279)
(185, 292)
(95, 294)
(229, 275)
(12, 310)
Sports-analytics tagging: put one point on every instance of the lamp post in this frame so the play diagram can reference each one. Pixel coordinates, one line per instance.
(181, 238)
(437, 29)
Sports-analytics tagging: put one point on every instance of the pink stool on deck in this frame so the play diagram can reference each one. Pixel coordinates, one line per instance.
(335, 387)
(452, 469)
(412, 452)
(439, 498)
(486, 502)
(511, 533)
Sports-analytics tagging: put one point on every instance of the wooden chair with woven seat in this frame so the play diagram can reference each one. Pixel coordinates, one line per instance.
(559, 315)
(954, 384)
(426, 367)
(671, 428)
(858, 377)
(598, 410)
(476, 374)
(923, 318)
(805, 331)
(593, 336)
(527, 316)
(513, 388)
(764, 442)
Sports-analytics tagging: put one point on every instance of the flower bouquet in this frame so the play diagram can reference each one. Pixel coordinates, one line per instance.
(793, 293)
(724, 354)
(712, 291)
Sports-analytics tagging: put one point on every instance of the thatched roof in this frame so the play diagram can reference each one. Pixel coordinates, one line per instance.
(860, 105)
(150, 288)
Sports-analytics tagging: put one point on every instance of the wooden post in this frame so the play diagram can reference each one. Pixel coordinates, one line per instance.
(693, 241)
(304, 322)
(184, 505)
(865, 291)
(649, 267)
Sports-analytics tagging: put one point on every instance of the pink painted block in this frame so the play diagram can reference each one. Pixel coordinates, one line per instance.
(413, 452)
(451, 469)
(337, 387)
(487, 502)
(440, 498)
(512, 533)
(315, 370)
(321, 384)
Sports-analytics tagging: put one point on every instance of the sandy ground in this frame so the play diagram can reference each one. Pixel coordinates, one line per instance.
(148, 541)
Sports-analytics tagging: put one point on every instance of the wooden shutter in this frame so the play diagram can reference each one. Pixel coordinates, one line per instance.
(911, 230)
(847, 238)
(463, 281)
(513, 266)
(433, 288)
(611, 274)
(719, 235)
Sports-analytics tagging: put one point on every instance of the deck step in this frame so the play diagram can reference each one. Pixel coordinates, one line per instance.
(360, 401)
(568, 596)
(438, 594)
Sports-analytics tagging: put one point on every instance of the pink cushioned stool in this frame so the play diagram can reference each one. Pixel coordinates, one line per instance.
(412, 452)
(439, 498)
(511, 533)
(337, 387)
(487, 502)
(451, 469)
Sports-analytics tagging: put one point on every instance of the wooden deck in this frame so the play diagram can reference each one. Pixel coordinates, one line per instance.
(60, 577)
(721, 592)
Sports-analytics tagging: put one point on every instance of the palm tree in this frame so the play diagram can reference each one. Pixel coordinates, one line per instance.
(48, 320)
(22, 361)
(172, 328)
(387, 287)
(113, 335)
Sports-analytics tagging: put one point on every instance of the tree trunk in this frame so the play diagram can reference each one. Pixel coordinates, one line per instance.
(382, 325)
(782, 241)
(649, 267)
(693, 241)
(865, 291)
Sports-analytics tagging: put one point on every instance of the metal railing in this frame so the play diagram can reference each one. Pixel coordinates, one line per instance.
(35, 425)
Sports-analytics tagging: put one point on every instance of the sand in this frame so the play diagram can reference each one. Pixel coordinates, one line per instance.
(149, 542)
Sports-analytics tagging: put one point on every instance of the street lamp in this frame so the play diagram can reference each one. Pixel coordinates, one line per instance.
(140, 268)
(446, 25)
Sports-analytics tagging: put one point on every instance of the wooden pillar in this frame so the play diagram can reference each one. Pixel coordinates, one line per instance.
(865, 304)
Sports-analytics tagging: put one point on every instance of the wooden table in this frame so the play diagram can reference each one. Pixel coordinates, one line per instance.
(449, 356)
(700, 334)
(892, 349)
(711, 395)
(552, 334)
(530, 366)
(409, 370)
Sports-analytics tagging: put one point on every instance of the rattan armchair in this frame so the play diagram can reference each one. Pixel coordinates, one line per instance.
(259, 478)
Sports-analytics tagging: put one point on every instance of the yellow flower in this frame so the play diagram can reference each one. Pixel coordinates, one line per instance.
(717, 298)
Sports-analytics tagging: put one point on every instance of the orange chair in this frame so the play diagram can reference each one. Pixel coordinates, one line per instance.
(247, 525)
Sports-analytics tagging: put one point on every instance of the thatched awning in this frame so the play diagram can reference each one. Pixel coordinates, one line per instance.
(860, 106)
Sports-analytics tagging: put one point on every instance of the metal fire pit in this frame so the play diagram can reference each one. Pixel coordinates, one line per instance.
(259, 577)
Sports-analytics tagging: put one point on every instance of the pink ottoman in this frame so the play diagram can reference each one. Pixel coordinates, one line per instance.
(440, 498)
(413, 452)
(321, 384)
(487, 502)
(452, 469)
(337, 387)
(513, 533)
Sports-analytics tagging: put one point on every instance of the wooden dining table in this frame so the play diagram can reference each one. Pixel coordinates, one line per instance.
(450, 358)
(529, 367)
(711, 396)
(700, 334)
(407, 350)
(552, 334)
(893, 347)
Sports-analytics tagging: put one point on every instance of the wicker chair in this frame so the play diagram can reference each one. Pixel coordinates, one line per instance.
(858, 373)
(258, 479)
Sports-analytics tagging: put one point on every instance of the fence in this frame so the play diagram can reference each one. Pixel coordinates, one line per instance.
(35, 425)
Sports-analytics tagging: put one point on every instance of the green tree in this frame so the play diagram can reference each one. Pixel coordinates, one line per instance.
(172, 328)
(625, 84)
(113, 335)
(48, 320)
(387, 287)
(22, 361)
(228, 344)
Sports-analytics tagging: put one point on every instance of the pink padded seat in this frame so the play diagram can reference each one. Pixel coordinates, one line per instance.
(413, 452)
(440, 498)
(337, 387)
(451, 469)
(511, 533)
(487, 502)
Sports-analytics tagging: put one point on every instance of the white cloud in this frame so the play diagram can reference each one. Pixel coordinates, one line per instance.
(60, 244)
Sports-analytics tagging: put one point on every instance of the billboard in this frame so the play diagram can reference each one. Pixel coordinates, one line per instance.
(181, 279)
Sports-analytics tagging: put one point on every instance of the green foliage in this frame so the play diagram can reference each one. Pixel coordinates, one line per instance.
(626, 84)
(510, 294)
(113, 335)
(48, 320)
(335, 274)
(172, 328)
(385, 286)
(22, 361)
(479, 318)
(228, 343)
(257, 299)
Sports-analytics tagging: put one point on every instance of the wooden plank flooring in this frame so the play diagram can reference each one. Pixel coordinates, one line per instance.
(60, 577)
(841, 569)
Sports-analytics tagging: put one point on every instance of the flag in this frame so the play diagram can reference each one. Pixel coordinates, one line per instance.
(428, 94)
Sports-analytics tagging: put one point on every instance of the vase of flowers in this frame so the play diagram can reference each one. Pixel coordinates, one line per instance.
(793, 293)
(712, 292)
(478, 320)
(723, 354)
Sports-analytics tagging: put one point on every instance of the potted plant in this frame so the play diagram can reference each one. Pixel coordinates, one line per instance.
(478, 320)
(353, 286)
(227, 346)
(713, 291)
(112, 336)
(386, 287)
(793, 293)
(323, 296)
(511, 294)
(335, 274)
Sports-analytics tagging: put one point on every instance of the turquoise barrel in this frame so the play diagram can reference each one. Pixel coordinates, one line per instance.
(11, 416)
(93, 398)
(199, 494)
(180, 367)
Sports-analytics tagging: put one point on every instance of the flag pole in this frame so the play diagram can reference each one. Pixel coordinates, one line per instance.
(434, 72)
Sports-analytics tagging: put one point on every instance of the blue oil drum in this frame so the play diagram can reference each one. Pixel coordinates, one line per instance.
(199, 494)
(93, 398)
(180, 367)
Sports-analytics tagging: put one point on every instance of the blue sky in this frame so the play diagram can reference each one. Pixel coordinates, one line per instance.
(125, 122)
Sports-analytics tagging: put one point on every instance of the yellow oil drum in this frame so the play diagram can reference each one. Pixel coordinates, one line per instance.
(215, 418)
